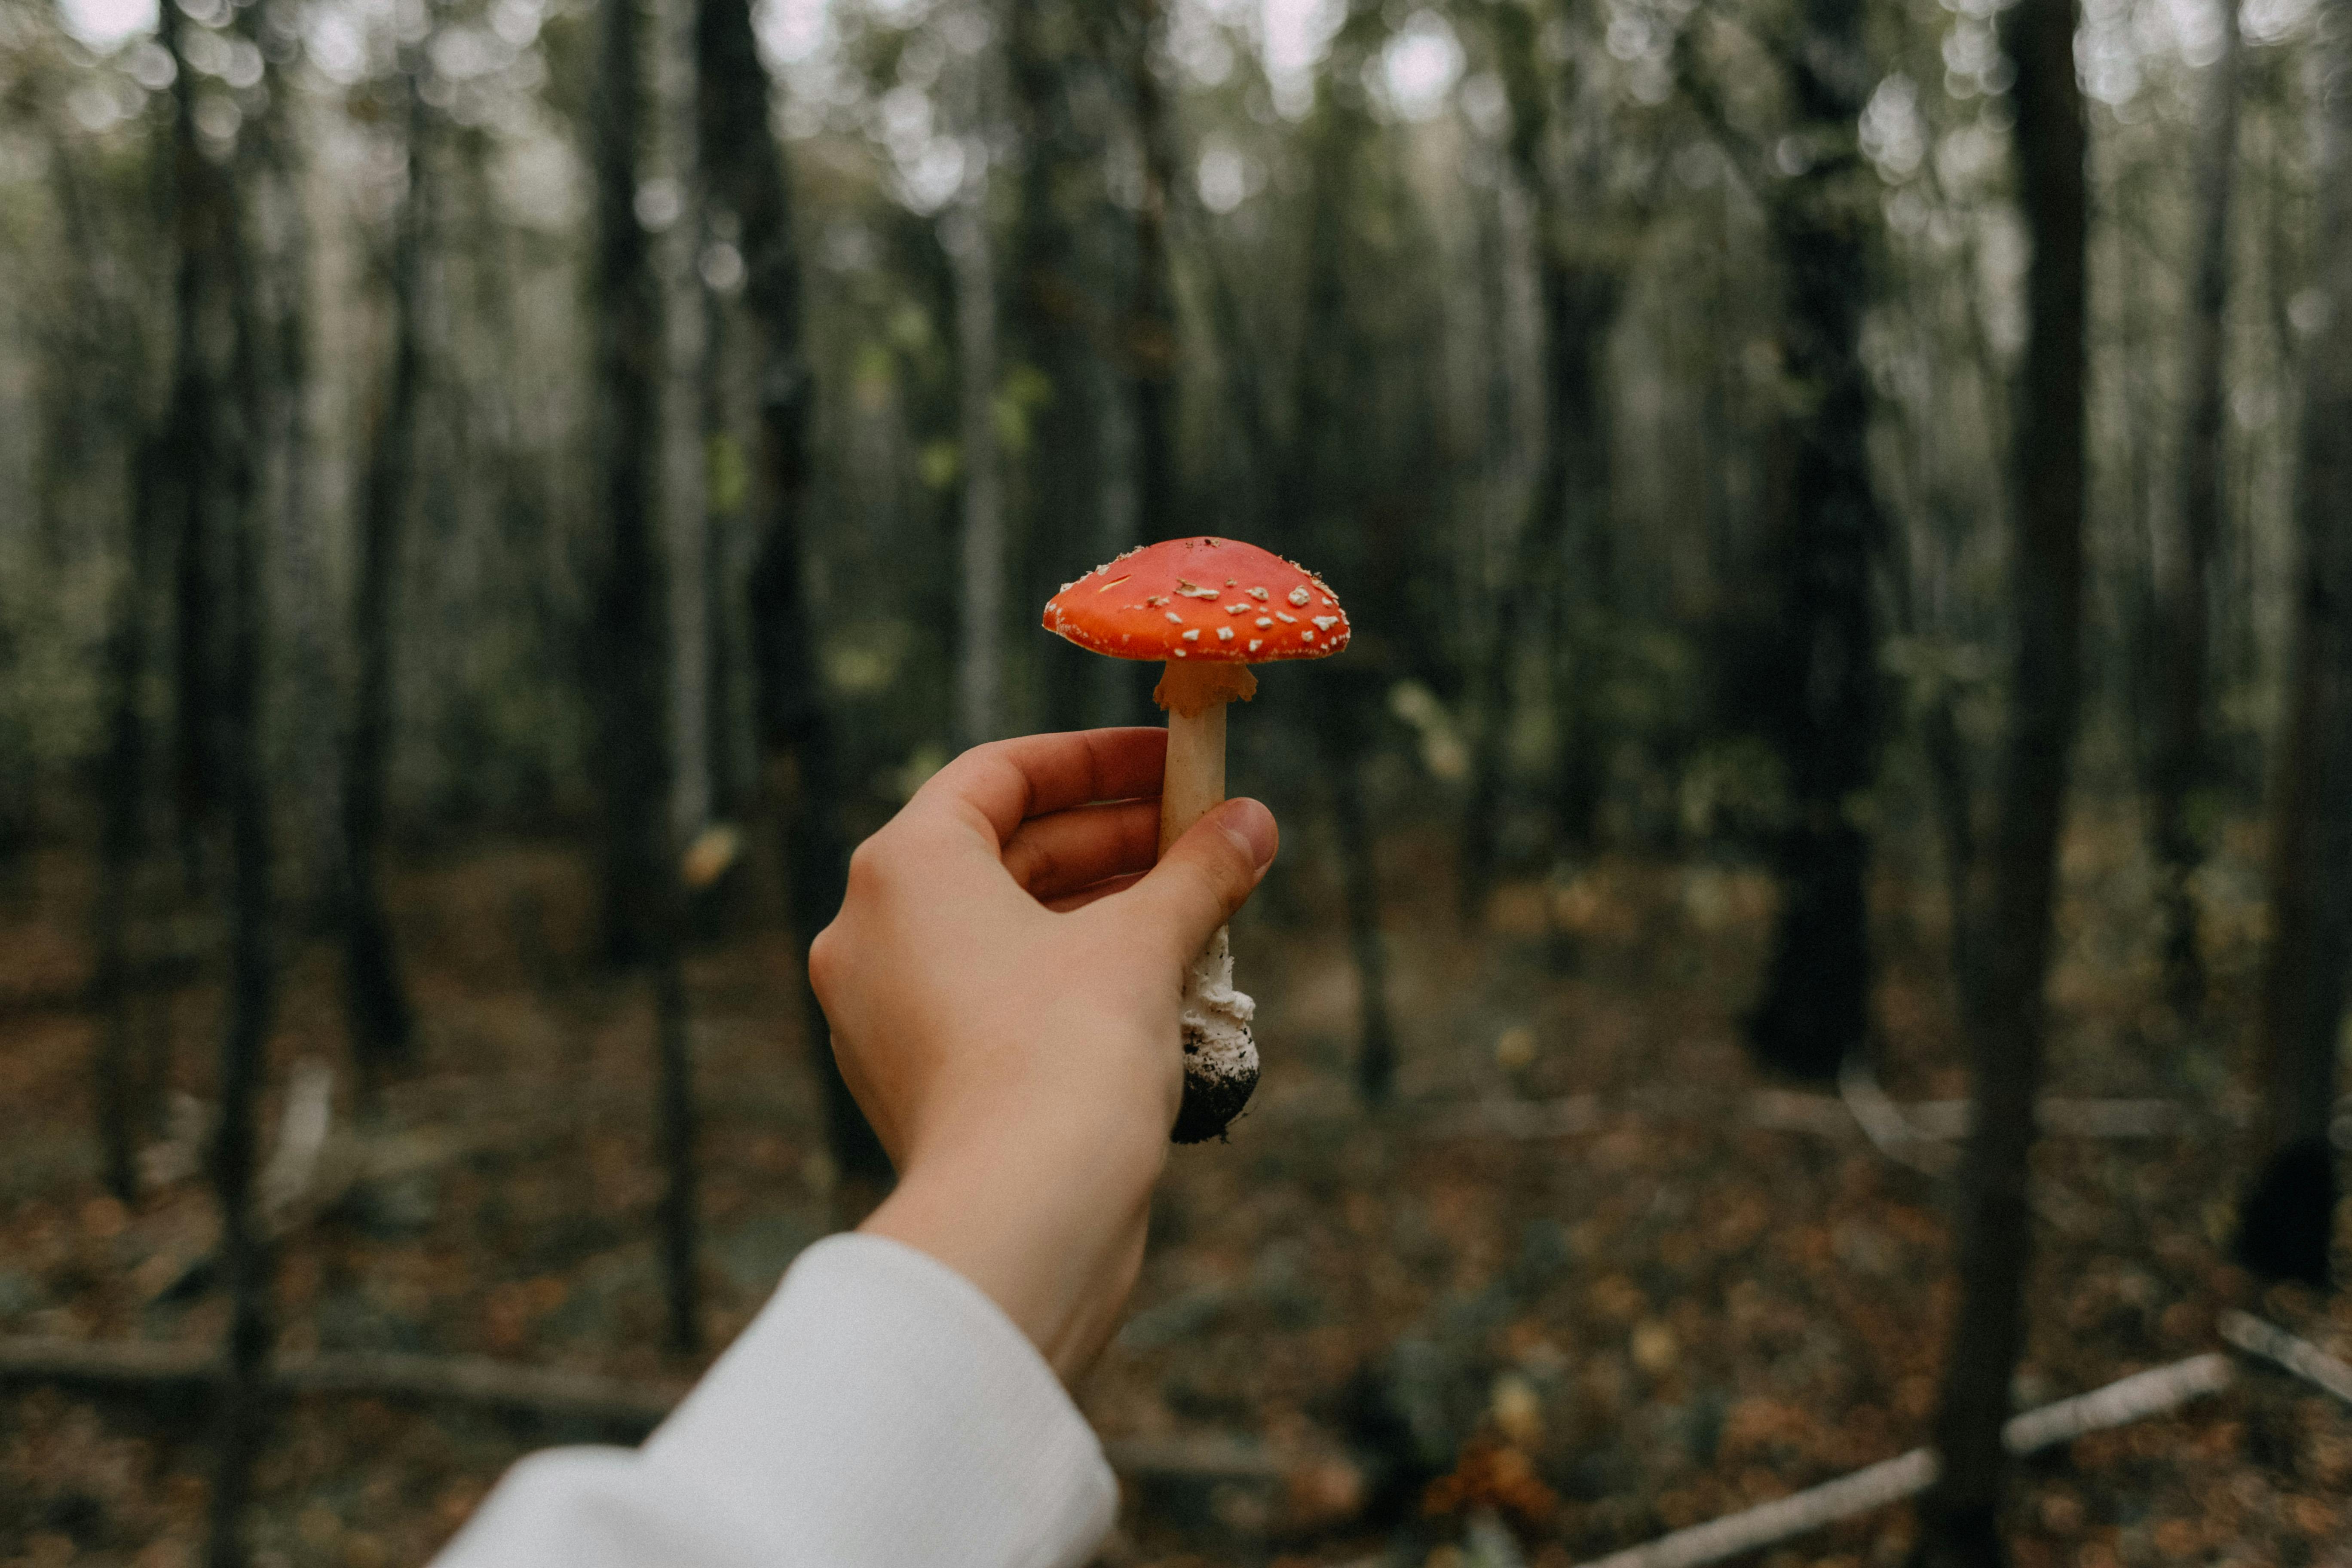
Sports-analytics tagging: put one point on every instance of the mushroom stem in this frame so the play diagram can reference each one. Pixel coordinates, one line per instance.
(1194, 782)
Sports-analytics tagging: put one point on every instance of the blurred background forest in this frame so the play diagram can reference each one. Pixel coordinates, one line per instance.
(1846, 509)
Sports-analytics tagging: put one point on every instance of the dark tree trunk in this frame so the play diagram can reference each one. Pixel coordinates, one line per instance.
(1350, 719)
(1150, 345)
(186, 455)
(1055, 320)
(2184, 611)
(1960, 1517)
(1562, 542)
(744, 172)
(1320, 500)
(2286, 1224)
(375, 998)
(672, 1030)
(1815, 1007)
(240, 750)
(122, 835)
(980, 642)
(629, 648)
(122, 784)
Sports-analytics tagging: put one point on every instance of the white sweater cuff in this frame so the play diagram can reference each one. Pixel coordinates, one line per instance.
(880, 1410)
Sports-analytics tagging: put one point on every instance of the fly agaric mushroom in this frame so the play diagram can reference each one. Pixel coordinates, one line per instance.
(1210, 609)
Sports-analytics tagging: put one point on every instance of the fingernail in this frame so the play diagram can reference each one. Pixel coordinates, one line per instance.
(1251, 827)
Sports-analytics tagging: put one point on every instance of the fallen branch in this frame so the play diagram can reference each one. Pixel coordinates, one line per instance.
(473, 1382)
(2120, 1403)
(2298, 1355)
(621, 1406)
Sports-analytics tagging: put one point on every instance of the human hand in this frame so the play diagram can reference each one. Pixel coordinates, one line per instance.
(1003, 983)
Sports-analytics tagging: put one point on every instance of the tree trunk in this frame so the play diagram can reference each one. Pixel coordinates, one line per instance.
(2286, 1222)
(1815, 1007)
(375, 998)
(744, 172)
(1318, 492)
(1529, 87)
(672, 1024)
(1151, 346)
(1344, 729)
(1959, 1519)
(684, 464)
(195, 202)
(980, 659)
(241, 750)
(629, 657)
(2184, 611)
(123, 787)
(1056, 317)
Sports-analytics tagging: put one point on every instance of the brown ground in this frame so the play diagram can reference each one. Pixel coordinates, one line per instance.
(1643, 1324)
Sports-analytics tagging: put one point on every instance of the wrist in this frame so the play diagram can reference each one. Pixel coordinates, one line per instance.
(1046, 1217)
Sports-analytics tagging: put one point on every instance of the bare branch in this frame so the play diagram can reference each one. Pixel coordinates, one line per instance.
(2298, 1355)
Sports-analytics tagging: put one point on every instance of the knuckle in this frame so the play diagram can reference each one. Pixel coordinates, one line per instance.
(868, 869)
(826, 961)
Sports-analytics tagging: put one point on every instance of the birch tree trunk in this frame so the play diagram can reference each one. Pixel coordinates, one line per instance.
(2184, 611)
(1960, 1517)
(2286, 1223)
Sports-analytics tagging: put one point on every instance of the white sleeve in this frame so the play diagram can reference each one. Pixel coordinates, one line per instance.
(880, 1411)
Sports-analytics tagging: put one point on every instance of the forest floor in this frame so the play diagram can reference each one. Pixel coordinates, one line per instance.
(1588, 1258)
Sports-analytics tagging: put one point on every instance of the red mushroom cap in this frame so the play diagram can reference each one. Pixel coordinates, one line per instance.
(1215, 599)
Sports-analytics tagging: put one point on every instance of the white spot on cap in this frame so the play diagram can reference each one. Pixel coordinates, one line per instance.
(1173, 617)
(1224, 633)
(1264, 622)
(1285, 620)
(1193, 636)
(1258, 593)
(1237, 609)
(1255, 644)
(1299, 596)
(1307, 636)
(1326, 622)
(1229, 581)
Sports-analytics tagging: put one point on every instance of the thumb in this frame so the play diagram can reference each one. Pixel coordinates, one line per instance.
(1204, 877)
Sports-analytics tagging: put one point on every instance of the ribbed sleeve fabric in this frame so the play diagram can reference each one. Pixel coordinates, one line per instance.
(880, 1413)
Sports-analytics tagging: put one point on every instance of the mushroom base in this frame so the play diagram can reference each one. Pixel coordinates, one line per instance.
(1220, 1059)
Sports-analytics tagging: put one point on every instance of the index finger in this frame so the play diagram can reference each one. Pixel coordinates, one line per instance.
(1007, 781)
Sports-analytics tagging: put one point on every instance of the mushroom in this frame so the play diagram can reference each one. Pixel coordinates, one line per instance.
(1210, 609)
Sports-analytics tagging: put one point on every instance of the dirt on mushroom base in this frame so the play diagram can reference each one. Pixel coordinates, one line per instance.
(1220, 1062)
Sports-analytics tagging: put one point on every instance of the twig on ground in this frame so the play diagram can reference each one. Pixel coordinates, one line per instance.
(1883, 1122)
(2126, 1400)
(2298, 1355)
